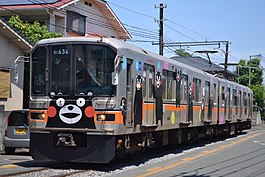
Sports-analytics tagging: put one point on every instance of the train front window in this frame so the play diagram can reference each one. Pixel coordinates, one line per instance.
(38, 71)
(60, 70)
(94, 65)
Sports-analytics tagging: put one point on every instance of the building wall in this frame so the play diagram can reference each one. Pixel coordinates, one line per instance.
(8, 53)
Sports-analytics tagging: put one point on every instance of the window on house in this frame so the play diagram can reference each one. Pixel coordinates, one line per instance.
(76, 22)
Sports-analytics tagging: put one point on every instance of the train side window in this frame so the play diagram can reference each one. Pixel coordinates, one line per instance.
(197, 90)
(214, 94)
(240, 103)
(184, 88)
(234, 97)
(228, 96)
(170, 86)
(240, 99)
(129, 76)
(245, 102)
(223, 96)
(223, 93)
(39, 75)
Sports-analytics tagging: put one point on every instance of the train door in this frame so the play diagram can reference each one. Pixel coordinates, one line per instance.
(213, 102)
(148, 86)
(244, 105)
(207, 99)
(222, 105)
(229, 104)
(185, 96)
(240, 104)
(225, 104)
(234, 105)
(129, 94)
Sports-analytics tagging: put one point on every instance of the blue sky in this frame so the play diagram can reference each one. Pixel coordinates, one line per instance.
(240, 22)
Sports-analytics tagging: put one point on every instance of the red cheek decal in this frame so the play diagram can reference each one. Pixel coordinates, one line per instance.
(90, 111)
(51, 111)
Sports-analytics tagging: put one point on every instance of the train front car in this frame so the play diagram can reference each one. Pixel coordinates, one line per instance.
(67, 76)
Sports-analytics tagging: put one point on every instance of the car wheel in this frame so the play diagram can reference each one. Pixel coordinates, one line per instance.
(10, 150)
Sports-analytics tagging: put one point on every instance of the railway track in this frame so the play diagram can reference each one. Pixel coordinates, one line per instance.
(149, 156)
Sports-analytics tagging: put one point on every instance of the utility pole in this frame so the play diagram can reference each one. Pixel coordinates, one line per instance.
(226, 59)
(161, 28)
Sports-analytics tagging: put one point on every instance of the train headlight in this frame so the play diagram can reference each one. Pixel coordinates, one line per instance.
(43, 116)
(37, 115)
(101, 117)
(106, 117)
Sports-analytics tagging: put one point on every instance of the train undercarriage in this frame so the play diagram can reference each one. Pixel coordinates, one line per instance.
(86, 145)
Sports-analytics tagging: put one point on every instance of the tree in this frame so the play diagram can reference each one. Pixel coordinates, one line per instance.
(250, 73)
(32, 31)
(183, 53)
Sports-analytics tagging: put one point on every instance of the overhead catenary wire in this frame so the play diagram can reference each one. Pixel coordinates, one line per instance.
(135, 31)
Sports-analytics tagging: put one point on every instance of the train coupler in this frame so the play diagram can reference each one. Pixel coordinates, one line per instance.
(65, 139)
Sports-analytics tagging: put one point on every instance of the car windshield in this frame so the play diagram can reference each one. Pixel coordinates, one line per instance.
(18, 118)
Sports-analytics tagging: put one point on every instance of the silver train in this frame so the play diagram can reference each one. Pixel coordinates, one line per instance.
(103, 98)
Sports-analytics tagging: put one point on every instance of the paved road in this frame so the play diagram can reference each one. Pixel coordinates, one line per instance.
(21, 155)
(242, 156)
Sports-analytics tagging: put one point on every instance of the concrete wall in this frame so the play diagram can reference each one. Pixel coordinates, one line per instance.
(3, 118)
(256, 118)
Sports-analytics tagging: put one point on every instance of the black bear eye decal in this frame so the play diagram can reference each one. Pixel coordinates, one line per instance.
(80, 102)
(60, 102)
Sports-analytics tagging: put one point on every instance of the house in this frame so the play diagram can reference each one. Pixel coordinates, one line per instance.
(13, 48)
(71, 17)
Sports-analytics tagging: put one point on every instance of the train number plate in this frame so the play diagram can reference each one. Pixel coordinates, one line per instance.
(21, 131)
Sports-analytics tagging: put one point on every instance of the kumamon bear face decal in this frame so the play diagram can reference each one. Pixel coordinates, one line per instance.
(139, 82)
(158, 80)
(70, 113)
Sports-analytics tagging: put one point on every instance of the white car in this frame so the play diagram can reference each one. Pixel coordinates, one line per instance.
(17, 134)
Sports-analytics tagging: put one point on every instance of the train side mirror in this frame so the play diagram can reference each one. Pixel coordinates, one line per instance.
(115, 78)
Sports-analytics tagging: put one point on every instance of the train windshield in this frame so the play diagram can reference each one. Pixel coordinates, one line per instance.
(73, 69)
(60, 70)
(94, 66)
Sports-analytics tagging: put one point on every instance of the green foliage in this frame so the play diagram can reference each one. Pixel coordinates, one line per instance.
(259, 94)
(32, 31)
(249, 71)
(182, 53)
